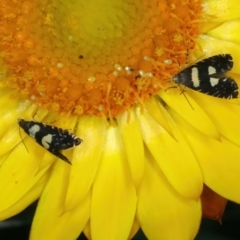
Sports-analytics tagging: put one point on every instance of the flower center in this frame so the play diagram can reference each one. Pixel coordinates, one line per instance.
(94, 57)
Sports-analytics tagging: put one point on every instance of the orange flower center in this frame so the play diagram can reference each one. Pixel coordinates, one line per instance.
(94, 57)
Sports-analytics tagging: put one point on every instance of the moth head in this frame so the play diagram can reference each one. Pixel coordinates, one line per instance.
(21, 122)
(175, 79)
(77, 141)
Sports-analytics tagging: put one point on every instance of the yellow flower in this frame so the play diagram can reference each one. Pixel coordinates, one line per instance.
(102, 70)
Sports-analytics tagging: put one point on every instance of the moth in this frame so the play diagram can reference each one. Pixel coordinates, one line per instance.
(209, 77)
(53, 139)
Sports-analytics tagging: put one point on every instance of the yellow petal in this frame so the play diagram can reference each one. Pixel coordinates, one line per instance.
(219, 161)
(133, 144)
(156, 111)
(222, 10)
(14, 134)
(232, 28)
(85, 158)
(8, 113)
(113, 197)
(87, 230)
(162, 212)
(51, 220)
(224, 115)
(25, 200)
(208, 26)
(173, 155)
(135, 228)
(3, 158)
(191, 113)
(16, 180)
(213, 46)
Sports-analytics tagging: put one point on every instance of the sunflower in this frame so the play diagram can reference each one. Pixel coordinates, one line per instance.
(102, 70)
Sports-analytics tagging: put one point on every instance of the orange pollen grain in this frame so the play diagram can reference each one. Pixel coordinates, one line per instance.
(94, 60)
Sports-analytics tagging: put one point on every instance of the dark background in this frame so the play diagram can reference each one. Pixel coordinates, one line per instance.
(17, 227)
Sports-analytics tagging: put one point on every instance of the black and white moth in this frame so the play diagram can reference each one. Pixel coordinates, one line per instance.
(209, 76)
(53, 139)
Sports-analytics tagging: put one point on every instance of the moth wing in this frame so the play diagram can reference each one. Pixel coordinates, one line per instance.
(215, 66)
(224, 87)
(62, 141)
(59, 155)
(221, 63)
(210, 77)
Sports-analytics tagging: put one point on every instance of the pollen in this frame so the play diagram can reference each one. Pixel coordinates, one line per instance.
(178, 37)
(94, 57)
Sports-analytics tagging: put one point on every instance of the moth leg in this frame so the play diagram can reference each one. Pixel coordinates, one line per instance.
(59, 155)
(187, 53)
(46, 123)
(183, 89)
(171, 87)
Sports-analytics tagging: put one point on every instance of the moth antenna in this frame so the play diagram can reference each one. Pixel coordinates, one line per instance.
(182, 92)
(179, 65)
(50, 123)
(35, 113)
(76, 126)
(187, 53)
(22, 139)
